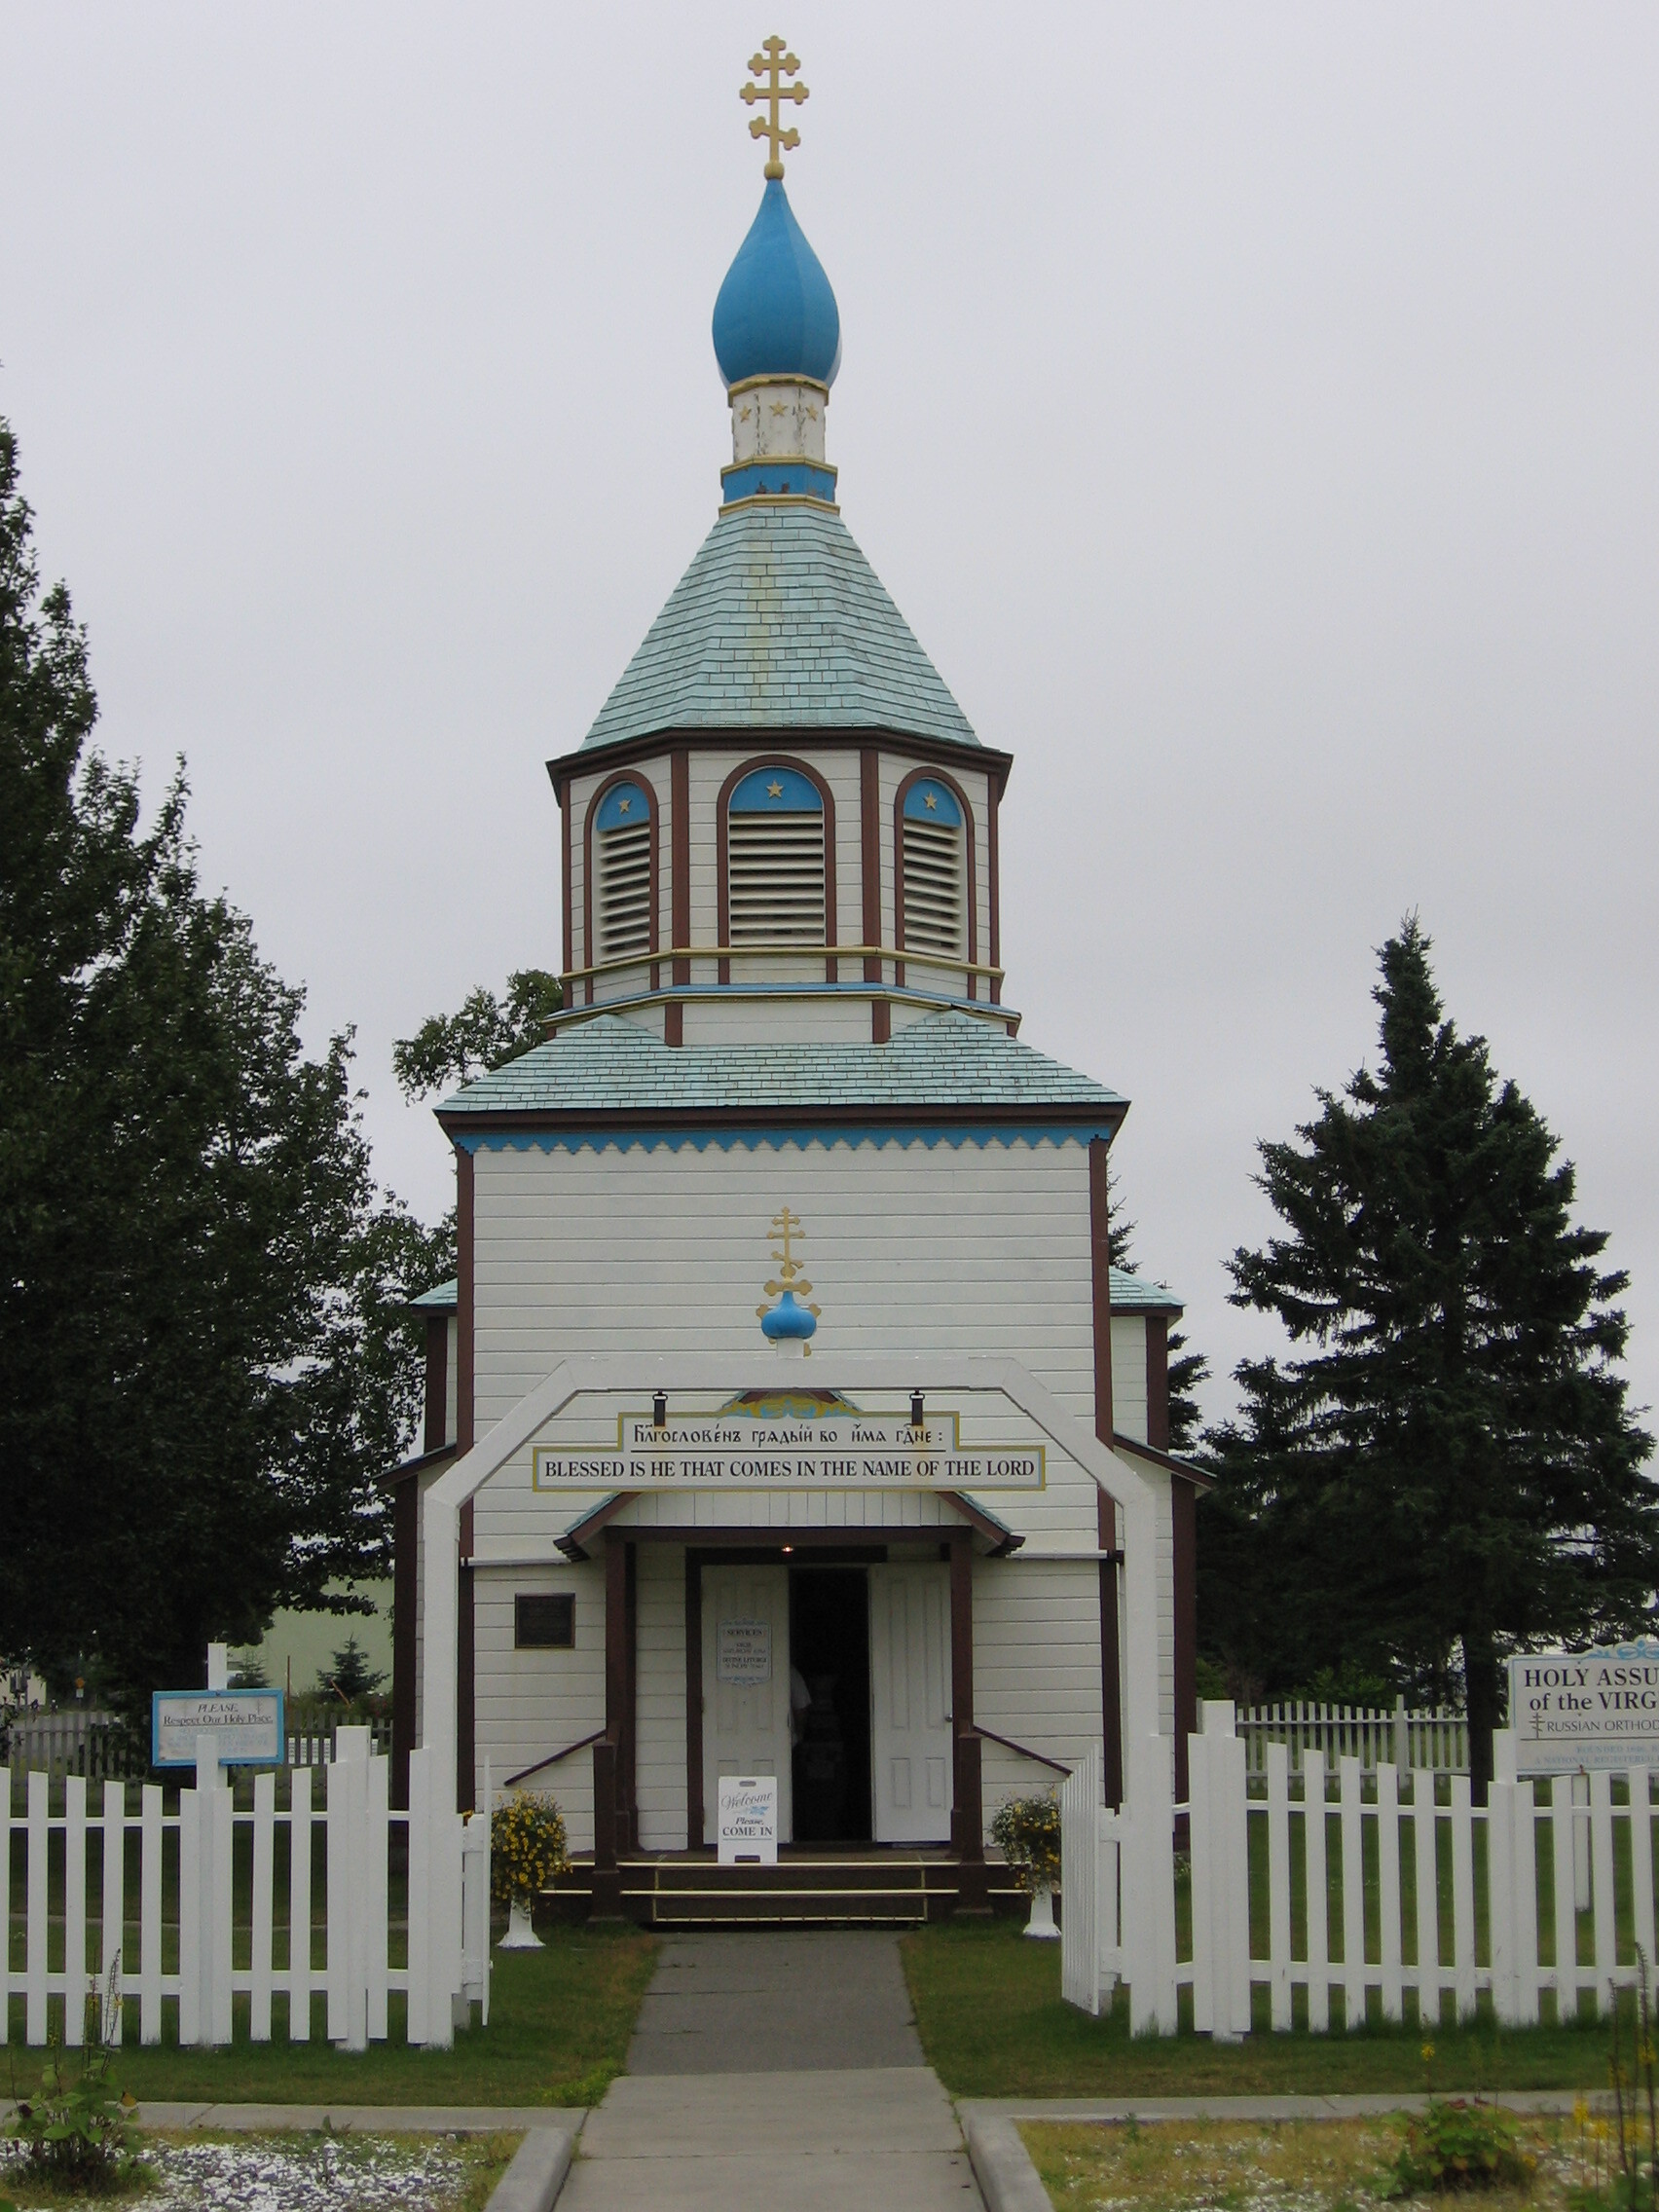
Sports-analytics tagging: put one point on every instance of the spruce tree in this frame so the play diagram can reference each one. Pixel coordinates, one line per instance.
(1448, 1471)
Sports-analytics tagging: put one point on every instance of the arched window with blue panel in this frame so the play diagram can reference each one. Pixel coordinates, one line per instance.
(775, 853)
(623, 869)
(933, 868)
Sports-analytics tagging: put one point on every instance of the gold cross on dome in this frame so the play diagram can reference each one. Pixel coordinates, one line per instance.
(774, 62)
(774, 791)
(784, 1224)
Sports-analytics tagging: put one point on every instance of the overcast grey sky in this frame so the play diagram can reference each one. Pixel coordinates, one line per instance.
(1251, 408)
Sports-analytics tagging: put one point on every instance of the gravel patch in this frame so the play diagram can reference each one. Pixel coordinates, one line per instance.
(311, 2173)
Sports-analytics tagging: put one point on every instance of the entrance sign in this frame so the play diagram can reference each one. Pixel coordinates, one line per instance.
(1583, 1709)
(744, 1653)
(246, 1726)
(843, 1450)
(749, 1820)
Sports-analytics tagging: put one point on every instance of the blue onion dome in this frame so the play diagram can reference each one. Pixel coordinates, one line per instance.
(789, 1321)
(776, 315)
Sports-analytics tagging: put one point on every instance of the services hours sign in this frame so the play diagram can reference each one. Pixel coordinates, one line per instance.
(1573, 1709)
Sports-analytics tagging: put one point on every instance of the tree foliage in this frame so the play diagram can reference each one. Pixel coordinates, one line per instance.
(203, 1357)
(1446, 1471)
(486, 1033)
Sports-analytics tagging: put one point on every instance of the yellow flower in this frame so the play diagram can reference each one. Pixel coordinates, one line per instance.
(1428, 2052)
(1580, 2110)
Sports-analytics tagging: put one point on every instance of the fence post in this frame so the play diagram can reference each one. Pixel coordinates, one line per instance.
(1149, 1887)
(1220, 1896)
(347, 1890)
(204, 1874)
(1079, 1901)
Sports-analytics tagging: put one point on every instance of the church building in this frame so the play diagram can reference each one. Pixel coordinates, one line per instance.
(786, 1415)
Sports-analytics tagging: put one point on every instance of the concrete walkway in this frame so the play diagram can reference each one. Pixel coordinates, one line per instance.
(774, 2072)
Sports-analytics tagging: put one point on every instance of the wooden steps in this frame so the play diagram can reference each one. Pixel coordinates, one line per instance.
(805, 1888)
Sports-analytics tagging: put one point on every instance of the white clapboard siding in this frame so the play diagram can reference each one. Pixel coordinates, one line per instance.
(660, 1699)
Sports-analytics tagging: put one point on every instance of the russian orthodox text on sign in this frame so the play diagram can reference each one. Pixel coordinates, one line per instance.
(246, 1725)
(744, 1653)
(748, 1820)
(863, 1451)
(1572, 1710)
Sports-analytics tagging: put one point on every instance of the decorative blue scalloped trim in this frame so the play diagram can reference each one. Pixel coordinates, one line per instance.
(830, 1133)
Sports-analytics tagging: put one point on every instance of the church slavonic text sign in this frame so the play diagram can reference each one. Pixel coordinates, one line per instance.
(862, 1451)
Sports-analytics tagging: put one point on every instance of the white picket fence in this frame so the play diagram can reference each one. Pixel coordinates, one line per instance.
(173, 1879)
(1117, 1904)
(1377, 1736)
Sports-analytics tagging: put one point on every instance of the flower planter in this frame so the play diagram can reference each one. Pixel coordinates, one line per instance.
(520, 1934)
(1042, 1921)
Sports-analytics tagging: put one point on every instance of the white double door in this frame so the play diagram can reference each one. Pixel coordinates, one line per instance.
(909, 1695)
(746, 1684)
(746, 1694)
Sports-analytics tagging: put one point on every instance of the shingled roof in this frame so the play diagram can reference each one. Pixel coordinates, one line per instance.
(945, 1062)
(780, 623)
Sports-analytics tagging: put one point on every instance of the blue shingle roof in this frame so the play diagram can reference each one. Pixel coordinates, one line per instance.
(780, 623)
(1136, 1294)
(946, 1060)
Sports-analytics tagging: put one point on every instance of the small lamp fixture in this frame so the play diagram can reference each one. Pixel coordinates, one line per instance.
(918, 1416)
(659, 1410)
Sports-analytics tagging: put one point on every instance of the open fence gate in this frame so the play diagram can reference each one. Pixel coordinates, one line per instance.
(1545, 1852)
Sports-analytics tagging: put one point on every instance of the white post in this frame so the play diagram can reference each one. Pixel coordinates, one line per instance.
(218, 1666)
(1221, 1894)
(207, 1915)
(440, 1577)
(1149, 1887)
(347, 1890)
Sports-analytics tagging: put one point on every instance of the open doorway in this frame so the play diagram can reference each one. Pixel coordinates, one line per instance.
(830, 1651)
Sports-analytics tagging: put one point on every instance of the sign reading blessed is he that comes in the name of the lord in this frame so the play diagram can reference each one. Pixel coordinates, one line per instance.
(1572, 1710)
(866, 1451)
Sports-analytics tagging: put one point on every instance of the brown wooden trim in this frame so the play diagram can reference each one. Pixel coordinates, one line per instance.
(967, 1808)
(1100, 1265)
(881, 1020)
(1002, 1539)
(595, 799)
(552, 1759)
(933, 776)
(408, 1469)
(949, 754)
(1149, 1451)
(618, 1677)
(1110, 1113)
(731, 1551)
(993, 878)
(723, 915)
(1183, 1512)
(562, 792)
(436, 1427)
(1024, 1750)
(463, 1237)
(1100, 1272)
(693, 1701)
(1111, 1659)
(680, 866)
(1158, 1382)
(628, 1763)
(405, 1606)
(465, 1697)
(579, 1535)
(869, 862)
(674, 1024)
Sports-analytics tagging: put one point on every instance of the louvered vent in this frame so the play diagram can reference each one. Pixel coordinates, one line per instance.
(624, 890)
(775, 877)
(934, 905)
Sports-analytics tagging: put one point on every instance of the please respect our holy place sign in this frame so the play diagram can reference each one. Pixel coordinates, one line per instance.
(863, 1451)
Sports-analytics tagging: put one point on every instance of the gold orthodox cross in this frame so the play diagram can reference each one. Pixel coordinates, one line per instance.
(783, 1224)
(773, 61)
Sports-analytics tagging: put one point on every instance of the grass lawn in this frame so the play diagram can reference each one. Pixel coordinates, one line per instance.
(993, 2023)
(559, 2020)
(1259, 2166)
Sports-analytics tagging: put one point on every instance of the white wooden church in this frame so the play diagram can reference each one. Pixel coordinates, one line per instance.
(786, 1415)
